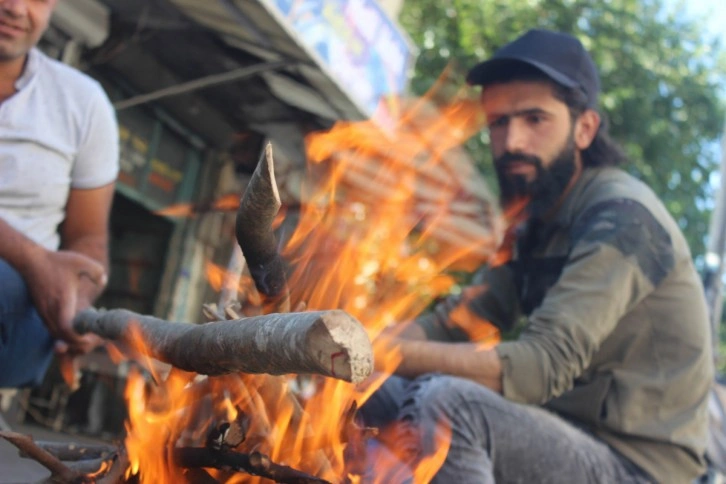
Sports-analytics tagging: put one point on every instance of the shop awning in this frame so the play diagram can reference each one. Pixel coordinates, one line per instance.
(348, 51)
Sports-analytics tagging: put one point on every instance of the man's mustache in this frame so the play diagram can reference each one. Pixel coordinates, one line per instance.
(518, 158)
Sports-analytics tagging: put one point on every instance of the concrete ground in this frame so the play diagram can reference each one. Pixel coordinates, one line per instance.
(16, 470)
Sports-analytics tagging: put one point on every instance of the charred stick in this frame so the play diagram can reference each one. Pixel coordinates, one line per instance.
(229, 435)
(255, 464)
(356, 439)
(117, 470)
(73, 451)
(330, 343)
(59, 471)
(257, 211)
(199, 476)
(88, 466)
(277, 391)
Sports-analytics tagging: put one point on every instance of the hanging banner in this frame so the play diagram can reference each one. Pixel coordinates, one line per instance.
(360, 46)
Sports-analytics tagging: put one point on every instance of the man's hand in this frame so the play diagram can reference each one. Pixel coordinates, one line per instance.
(56, 281)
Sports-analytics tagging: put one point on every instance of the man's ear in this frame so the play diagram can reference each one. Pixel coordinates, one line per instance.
(586, 128)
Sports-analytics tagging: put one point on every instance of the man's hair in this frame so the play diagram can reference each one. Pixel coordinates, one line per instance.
(603, 151)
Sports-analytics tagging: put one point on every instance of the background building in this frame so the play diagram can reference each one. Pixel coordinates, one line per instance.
(199, 89)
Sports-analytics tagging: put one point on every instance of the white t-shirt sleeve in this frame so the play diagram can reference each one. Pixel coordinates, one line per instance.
(97, 160)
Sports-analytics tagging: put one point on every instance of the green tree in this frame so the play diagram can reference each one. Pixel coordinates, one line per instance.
(660, 75)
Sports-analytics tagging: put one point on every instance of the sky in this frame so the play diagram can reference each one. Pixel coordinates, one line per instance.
(713, 15)
(716, 12)
(711, 12)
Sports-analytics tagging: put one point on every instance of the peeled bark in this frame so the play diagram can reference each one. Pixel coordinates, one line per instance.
(330, 343)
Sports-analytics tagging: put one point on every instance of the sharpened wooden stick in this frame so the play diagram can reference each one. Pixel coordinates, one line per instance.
(257, 211)
(330, 343)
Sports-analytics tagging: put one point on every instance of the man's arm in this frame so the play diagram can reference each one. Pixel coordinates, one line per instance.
(18, 250)
(620, 254)
(85, 227)
(52, 278)
(441, 341)
(464, 360)
(85, 231)
(419, 355)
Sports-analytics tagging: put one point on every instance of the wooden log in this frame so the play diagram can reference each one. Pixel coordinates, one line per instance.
(463, 232)
(88, 467)
(330, 343)
(386, 183)
(467, 208)
(276, 389)
(59, 471)
(255, 463)
(199, 476)
(450, 172)
(118, 469)
(257, 211)
(73, 451)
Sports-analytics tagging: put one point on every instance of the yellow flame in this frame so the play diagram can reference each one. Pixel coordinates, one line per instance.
(383, 220)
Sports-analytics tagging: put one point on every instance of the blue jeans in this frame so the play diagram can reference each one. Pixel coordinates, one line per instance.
(26, 347)
(493, 439)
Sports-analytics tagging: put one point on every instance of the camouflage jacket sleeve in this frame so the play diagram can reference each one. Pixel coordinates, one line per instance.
(619, 254)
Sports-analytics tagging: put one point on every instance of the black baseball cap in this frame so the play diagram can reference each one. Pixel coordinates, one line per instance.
(561, 57)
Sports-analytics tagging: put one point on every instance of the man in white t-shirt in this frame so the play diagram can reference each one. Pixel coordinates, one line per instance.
(58, 165)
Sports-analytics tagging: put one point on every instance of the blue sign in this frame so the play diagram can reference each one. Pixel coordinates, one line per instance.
(365, 51)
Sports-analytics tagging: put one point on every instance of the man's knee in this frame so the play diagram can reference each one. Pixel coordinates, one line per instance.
(25, 343)
(436, 396)
(384, 404)
(437, 405)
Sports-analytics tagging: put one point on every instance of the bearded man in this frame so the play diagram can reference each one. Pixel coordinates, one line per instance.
(608, 379)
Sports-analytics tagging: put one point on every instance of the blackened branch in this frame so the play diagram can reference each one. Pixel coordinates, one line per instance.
(255, 463)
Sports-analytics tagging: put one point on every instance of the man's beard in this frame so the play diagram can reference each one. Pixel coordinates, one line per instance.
(545, 189)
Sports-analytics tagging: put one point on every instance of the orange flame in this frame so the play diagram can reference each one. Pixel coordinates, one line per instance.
(226, 203)
(384, 220)
(430, 464)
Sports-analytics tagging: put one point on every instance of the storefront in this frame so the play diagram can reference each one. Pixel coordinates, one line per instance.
(199, 87)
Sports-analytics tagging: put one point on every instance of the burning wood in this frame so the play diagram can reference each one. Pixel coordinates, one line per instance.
(330, 343)
(276, 391)
(109, 467)
(404, 210)
(257, 211)
(254, 463)
(75, 452)
(59, 471)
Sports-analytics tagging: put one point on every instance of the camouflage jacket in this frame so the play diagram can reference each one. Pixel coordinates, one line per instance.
(617, 336)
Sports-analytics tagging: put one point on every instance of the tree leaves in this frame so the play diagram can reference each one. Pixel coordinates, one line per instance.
(660, 74)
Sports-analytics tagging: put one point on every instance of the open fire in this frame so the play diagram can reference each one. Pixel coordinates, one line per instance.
(384, 219)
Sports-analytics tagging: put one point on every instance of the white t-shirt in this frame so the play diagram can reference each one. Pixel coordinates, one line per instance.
(57, 132)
